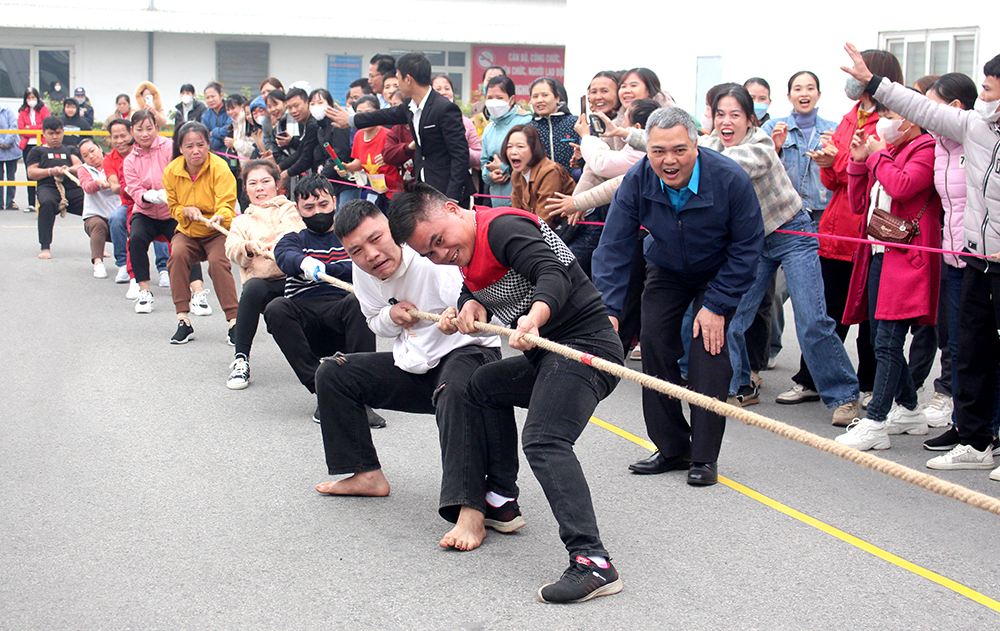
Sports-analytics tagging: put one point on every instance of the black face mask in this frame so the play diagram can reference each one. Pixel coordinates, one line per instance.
(320, 223)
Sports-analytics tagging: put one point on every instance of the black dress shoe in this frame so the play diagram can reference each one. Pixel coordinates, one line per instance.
(374, 420)
(658, 463)
(703, 473)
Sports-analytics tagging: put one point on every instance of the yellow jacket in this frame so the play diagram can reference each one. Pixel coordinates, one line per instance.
(213, 192)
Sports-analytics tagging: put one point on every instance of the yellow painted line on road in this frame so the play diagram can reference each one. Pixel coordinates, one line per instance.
(874, 550)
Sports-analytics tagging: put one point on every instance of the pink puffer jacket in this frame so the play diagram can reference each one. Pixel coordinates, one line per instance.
(949, 180)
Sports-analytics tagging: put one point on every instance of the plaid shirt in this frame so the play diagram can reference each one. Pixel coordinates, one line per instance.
(778, 199)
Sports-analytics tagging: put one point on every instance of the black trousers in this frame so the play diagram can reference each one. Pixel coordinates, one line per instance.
(664, 301)
(978, 357)
(478, 446)
(48, 209)
(307, 328)
(836, 281)
(256, 295)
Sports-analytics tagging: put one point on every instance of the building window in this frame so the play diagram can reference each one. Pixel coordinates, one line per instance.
(33, 66)
(933, 51)
(15, 72)
(241, 66)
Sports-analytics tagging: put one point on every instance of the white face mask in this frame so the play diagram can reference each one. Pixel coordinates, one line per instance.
(497, 107)
(32, 103)
(707, 123)
(888, 129)
(81, 99)
(187, 99)
(317, 111)
(986, 108)
(261, 120)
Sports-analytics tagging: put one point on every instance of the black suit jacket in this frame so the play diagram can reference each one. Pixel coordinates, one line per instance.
(442, 153)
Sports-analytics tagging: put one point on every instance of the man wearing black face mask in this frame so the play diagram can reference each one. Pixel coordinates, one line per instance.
(315, 319)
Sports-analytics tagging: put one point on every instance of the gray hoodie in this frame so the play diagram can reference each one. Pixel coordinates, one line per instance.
(981, 139)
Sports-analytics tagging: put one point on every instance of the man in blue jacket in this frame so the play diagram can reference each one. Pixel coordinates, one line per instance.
(705, 236)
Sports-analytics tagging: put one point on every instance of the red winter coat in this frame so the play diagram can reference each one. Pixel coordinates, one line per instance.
(24, 122)
(837, 218)
(911, 279)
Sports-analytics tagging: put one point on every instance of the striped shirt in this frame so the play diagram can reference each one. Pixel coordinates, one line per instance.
(326, 248)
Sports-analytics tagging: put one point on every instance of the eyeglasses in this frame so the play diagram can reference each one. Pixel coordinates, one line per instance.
(374, 75)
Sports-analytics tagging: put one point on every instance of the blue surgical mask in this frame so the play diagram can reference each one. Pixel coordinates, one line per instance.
(759, 109)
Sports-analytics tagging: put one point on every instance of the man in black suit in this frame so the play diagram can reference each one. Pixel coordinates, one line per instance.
(301, 149)
(442, 152)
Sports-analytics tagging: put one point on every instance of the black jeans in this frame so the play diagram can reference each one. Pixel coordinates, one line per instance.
(978, 357)
(664, 301)
(307, 328)
(256, 295)
(560, 395)
(31, 189)
(893, 381)
(142, 230)
(836, 280)
(48, 209)
(478, 446)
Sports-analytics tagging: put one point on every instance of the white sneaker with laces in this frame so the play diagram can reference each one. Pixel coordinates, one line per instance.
(133, 290)
(797, 394)
(164, 279)
(240, 377)
(903, 421)
(199, 303)
(145, 302)
(963, 457)
(864, 435)
(938, 410)
(99, 270)
(122, 276)
(995, 475)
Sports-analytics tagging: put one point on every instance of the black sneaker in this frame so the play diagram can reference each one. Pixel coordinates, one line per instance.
(581, 581)
(316, 415)
(184, 333)
(230, 336)
(945, 442)
(748, 395)
(506, 518)
(374, 420)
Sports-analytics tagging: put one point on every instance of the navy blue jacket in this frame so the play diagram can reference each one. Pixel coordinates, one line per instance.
(218, 127)
(295, 246)
(718, 234)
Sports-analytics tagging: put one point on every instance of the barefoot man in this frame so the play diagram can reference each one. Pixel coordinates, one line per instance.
(426, 372)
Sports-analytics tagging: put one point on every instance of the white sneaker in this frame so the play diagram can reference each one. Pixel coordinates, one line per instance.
(903, 421)
(995, 475)
(938, 410)
(164, 278)
(122, 276)
(240, 377)
(963, 457)
(199, 303)
(145, 302)
(866, 398)
(133, 290)
(636, 353)
(99, 270)
(797, 394)
(864, 435)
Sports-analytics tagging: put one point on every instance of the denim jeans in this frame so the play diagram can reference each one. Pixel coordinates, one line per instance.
(560, 395)
(478, 446)
(119, 241)
(8, 172)
(893, 380)
(350, 193)
(835, 379)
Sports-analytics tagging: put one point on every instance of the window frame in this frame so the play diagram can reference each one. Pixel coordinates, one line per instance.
(928, 37)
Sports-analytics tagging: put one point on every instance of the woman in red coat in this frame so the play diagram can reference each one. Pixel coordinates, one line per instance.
(30, 116)
(893, 287)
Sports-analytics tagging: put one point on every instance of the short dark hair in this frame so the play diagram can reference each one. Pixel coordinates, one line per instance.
(278, 96)
(323, 92)
(235, 100)
(190, 127)
(272, 81)
(759, 81)
(534, 143)
(417, 66)
(558, 90)
(884, 64)
(70, 101)
(445, 77)
(85, 139)
(743, 99)
(385, 64)
(351, 214)
(214, 85)
(296, 92)
(505, 83)
(992, 67)
(956, 85)
(313, 185)
(503, 71)
(52, 123)
(647, 76)
(142, 115)
(253, 165)
(795, 76)
(640, 109)
(715, 90)
(366, 88)
(187, 87)
(123, 96)
(411, 207)
(370, 99)
(120, 121)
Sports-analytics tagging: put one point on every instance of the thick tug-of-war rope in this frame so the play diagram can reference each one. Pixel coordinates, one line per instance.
(896, 470)
(63, 202)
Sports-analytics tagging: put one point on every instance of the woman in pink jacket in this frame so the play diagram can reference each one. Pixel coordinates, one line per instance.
(894, 287)
(30, 116)
(250, 245)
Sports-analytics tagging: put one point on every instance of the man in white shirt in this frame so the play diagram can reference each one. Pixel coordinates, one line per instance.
(427, 371)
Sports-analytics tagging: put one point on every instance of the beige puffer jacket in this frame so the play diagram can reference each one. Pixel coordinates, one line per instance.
(264, 223)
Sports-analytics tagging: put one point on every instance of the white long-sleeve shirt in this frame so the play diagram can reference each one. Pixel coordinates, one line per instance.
(429, 287)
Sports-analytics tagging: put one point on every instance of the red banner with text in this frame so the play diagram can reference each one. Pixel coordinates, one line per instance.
(523, 64)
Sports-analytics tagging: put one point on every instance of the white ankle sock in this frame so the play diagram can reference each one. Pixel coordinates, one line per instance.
(600, 561)
(495, 500)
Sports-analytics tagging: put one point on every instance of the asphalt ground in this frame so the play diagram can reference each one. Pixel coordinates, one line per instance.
(138, 492)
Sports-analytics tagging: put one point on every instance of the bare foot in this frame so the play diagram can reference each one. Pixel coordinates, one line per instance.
(366, 484)
(45, 254)
(468, 532)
